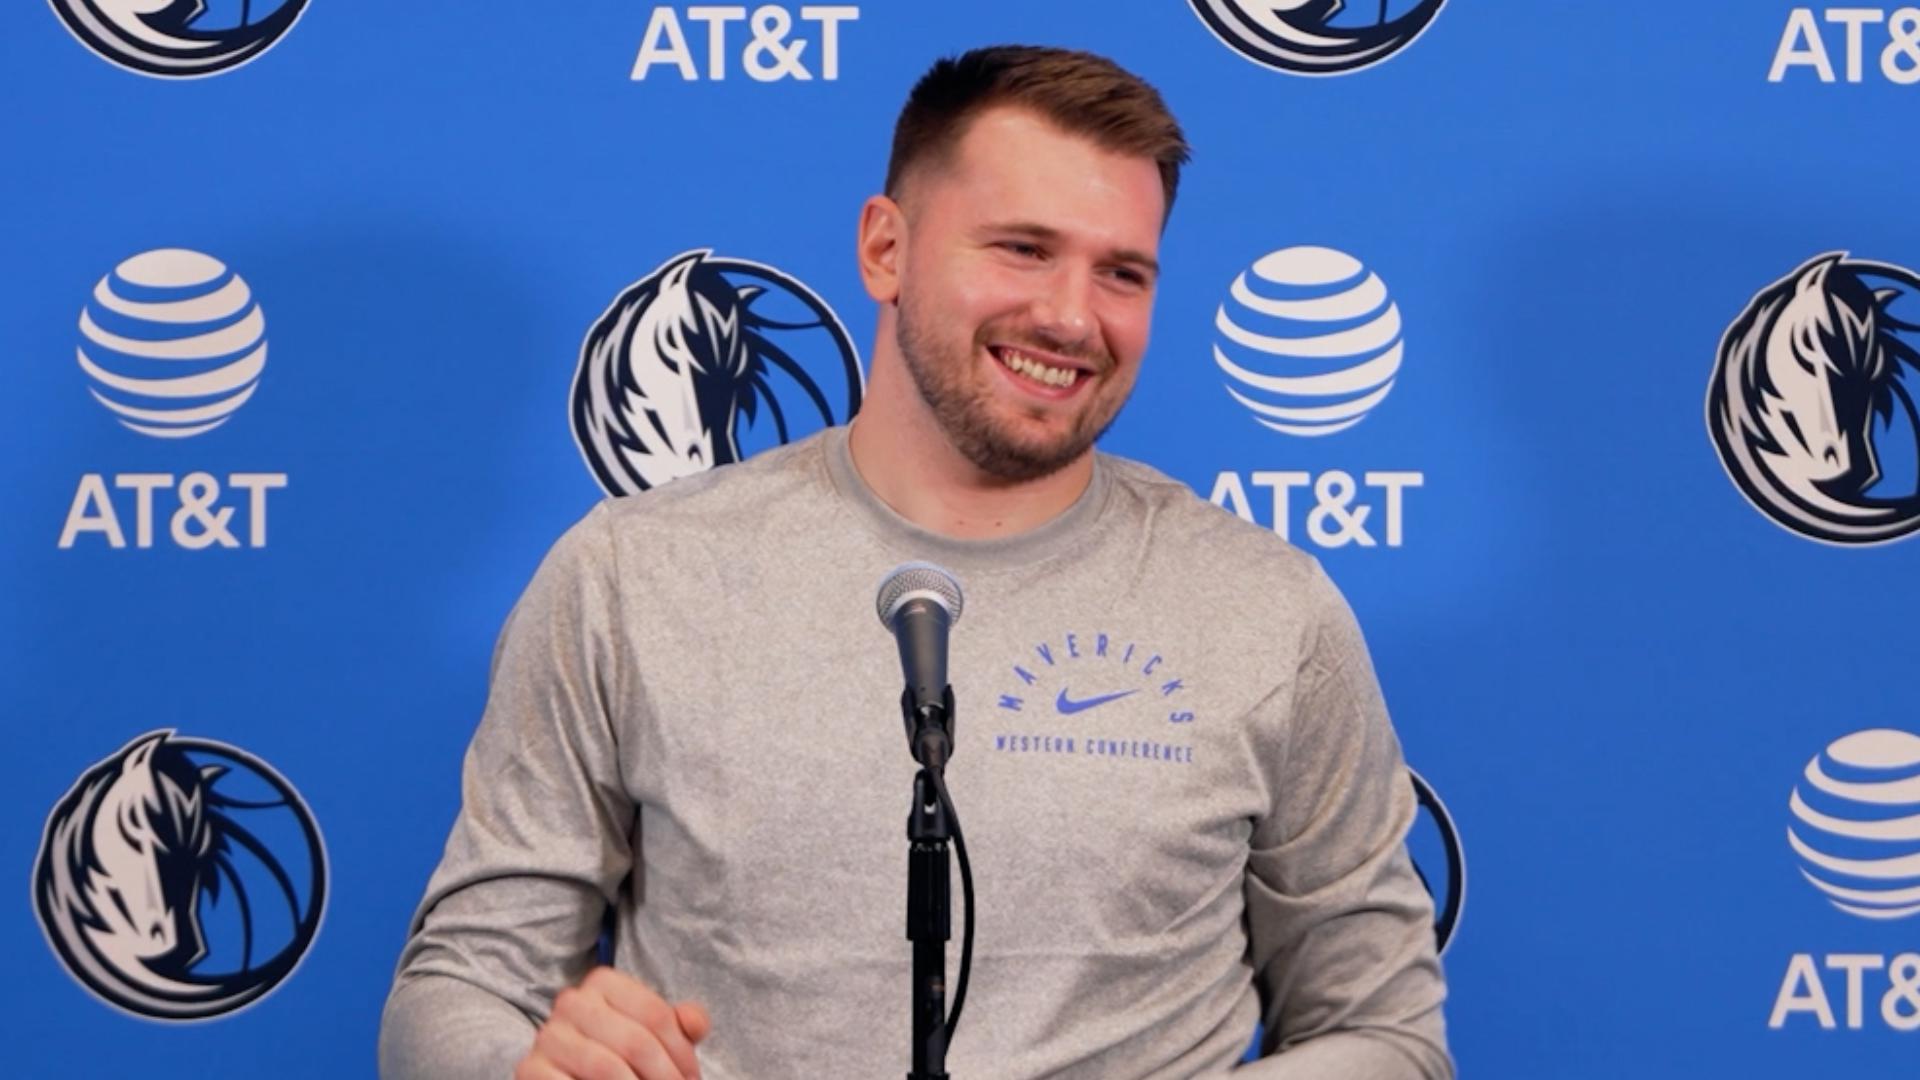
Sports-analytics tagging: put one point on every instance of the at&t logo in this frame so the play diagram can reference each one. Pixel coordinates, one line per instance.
(1893, 36)
(180, 879)
(771, 45)
(172, 343)
(178, 39)
(1310, 343)
(1857, 838)
(1317, 37)
(1865, 861)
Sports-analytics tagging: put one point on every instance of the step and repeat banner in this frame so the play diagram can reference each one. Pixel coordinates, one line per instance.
(1577, 341)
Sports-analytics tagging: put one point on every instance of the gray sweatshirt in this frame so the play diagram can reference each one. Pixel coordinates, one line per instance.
(1183, 801)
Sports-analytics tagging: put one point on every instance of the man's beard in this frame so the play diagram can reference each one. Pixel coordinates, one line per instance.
(964, 411)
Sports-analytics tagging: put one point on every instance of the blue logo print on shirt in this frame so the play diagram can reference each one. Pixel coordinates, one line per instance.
(1068, 706)
(1102, 665)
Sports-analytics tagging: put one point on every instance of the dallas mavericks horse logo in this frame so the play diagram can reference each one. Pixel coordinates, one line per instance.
(1811, 405)
(700, 364)
(180, 879)
(179, 39)
(1317, 37)
(1438, 859)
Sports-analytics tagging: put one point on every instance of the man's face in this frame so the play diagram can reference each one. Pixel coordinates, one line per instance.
(1027, 289)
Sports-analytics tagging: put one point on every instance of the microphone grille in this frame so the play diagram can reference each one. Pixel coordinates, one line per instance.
(909, 580)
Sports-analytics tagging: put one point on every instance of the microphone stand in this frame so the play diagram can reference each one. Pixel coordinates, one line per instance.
(929, 886)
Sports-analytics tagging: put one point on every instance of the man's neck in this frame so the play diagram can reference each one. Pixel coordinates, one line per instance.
(910, 465)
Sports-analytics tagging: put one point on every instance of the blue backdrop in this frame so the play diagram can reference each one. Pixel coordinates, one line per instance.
(1615, 647)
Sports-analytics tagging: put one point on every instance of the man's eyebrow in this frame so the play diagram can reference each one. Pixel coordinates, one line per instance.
(1037, 231)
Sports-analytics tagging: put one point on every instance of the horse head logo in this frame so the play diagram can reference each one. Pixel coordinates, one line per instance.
(682, 356)
(1808, 385)
(1317, 37)
(1438, 859)
(126, 861)
(177, 38)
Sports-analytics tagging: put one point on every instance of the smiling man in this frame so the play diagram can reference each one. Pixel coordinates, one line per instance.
(1015, 271)
(1185, 803)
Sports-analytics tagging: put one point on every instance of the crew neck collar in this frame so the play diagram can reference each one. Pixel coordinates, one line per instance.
(1058, 536)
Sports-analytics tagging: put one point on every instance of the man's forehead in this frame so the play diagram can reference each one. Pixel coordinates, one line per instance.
(1013, 163)
(987, 138)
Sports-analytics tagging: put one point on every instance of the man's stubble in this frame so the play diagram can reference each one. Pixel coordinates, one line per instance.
(965, 411)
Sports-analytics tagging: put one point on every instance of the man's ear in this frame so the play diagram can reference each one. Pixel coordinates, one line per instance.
(882, 243)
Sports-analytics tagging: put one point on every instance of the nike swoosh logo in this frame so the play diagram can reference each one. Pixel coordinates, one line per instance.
(1068, 706)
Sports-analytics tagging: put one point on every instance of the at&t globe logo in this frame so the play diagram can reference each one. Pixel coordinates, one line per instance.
(1855, 828)
(178, 39)
(180, 879)
(1317, 37)
(173, 343)
(1310, 342)
(703, 362)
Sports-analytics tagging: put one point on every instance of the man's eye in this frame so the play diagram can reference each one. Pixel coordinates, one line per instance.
(1021, 249)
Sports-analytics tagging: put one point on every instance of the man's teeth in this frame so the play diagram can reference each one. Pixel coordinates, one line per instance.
(1037, 371)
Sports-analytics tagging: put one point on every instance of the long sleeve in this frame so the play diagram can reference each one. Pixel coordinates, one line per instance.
(1341, 928)
(542, 841)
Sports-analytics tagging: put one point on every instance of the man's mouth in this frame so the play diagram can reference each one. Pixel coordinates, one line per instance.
(1035, 370)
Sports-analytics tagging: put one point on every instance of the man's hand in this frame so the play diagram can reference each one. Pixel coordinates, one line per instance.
(613, 1027)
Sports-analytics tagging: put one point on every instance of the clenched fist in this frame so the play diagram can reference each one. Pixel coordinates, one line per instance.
(614, 1027)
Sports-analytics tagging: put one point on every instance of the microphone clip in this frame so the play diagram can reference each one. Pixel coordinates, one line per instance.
(929, 728)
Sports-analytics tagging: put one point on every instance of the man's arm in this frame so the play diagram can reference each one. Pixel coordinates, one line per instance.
(1341, 928)
(542, 841)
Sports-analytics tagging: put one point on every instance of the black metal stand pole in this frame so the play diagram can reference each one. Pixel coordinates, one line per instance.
(929, 925)
(929, 887)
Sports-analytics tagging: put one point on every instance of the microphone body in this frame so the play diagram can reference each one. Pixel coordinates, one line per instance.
(919, 603)
(920, 627)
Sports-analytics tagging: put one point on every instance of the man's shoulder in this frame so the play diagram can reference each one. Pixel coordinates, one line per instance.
(728, 515)
(775, 481)
(680, 538)
(1185, 525)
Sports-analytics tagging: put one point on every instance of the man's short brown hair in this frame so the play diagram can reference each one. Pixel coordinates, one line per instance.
(1079, 92)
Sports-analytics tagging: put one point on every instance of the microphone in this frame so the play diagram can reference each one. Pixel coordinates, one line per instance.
(919, 602)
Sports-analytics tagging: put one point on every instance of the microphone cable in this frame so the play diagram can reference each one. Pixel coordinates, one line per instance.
(966, 895)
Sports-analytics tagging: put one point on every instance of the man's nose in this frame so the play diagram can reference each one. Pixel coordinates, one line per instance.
(1064, 311)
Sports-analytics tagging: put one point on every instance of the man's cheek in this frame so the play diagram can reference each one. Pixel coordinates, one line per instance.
(1127, 344)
